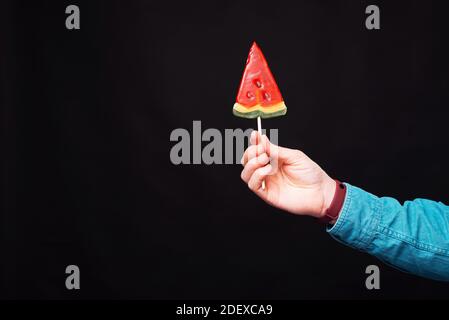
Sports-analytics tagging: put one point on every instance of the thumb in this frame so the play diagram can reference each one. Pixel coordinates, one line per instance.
(286, 155)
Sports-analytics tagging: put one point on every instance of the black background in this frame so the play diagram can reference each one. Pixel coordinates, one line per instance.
(87, 116)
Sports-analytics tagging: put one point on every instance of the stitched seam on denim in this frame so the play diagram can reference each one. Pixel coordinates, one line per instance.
(361, 243)
(407, 239)
(373, 224)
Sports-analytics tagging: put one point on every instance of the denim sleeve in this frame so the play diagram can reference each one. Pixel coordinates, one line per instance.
(413, 237)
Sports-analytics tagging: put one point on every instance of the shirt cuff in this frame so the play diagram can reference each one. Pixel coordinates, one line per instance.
(358, 220)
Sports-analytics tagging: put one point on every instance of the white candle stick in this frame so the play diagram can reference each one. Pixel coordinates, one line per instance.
(259, 128)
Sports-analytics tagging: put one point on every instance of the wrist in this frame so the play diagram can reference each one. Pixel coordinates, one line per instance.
(333, 209)
(329, 188)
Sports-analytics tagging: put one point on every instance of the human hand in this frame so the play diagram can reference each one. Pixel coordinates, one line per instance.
(293, 182)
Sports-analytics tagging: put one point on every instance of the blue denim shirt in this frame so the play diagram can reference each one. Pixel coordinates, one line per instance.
(413, 237)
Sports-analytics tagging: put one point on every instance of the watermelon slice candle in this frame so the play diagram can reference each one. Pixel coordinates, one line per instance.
(258, 95)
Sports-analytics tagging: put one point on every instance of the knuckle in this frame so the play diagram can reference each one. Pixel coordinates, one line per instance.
(251, 186)
(257, 174)
(252, 152)
(253, 163)
(300, 154)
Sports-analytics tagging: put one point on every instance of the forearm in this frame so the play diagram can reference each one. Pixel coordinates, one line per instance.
(413, 237)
